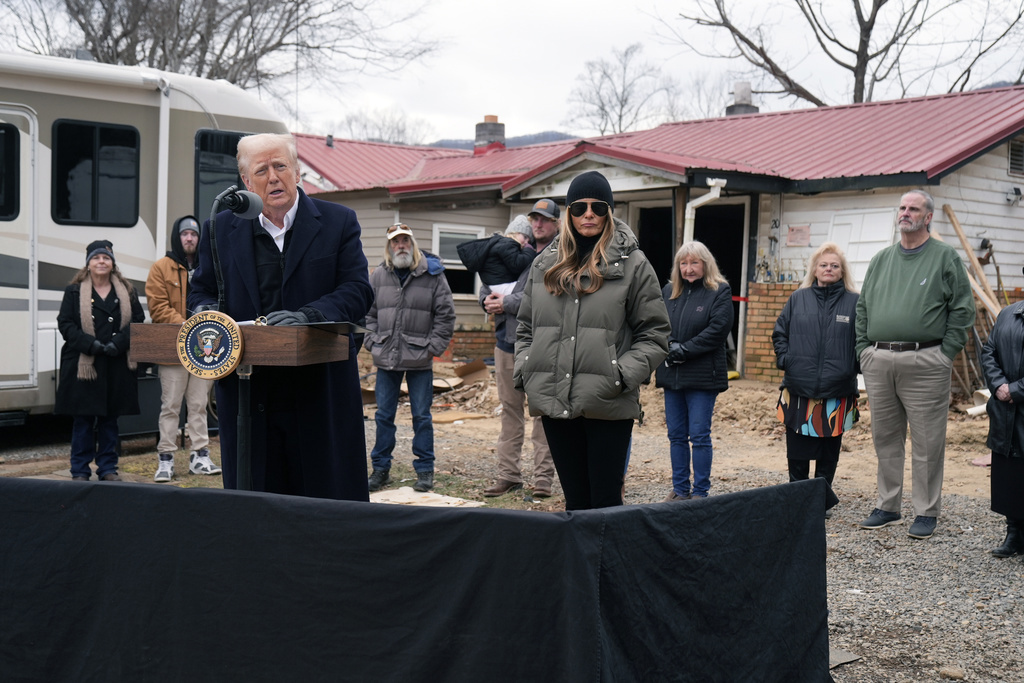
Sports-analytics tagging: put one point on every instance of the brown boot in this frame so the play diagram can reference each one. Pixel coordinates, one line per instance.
(501, 487)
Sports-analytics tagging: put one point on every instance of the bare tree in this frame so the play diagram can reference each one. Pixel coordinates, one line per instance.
(391, 126)
(910, 46)
(621, 94)
(246, 42)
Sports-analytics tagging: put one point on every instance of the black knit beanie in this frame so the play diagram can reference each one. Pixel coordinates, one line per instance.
(590, 185)
(99, 247)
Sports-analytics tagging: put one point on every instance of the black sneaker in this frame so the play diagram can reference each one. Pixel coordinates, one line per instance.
(379, 479)
(880, 518)
(923, 527)
(424, 481)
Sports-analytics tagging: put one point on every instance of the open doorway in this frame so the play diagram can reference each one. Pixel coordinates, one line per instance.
(720, 228)
(654, 230)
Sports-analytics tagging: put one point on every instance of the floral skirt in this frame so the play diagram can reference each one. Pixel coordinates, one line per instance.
(817, 417)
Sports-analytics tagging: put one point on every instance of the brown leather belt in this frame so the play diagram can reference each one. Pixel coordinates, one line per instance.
(906, 346)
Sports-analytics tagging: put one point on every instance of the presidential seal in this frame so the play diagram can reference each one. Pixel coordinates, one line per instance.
(210, 345)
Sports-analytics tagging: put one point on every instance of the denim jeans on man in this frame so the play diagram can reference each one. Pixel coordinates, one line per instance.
(83, 445)
(688, 417)
(421, 392)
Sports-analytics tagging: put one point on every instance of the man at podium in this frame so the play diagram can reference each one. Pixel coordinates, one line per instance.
(300, 261)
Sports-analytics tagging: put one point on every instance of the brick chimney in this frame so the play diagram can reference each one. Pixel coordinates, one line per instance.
(490, 135)
(744, 101)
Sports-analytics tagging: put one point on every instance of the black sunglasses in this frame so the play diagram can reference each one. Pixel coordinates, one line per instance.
(578, 209)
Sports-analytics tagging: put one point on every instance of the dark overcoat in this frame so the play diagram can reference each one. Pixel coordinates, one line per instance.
(115, 389)
(319, 406)
(1002, 362)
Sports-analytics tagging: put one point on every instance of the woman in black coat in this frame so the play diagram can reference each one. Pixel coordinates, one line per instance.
(1002, 361)
(814, 341)
(97, 383)
(699, 303)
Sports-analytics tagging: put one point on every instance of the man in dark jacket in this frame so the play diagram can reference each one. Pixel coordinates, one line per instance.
(505, 307)
(300, 261)
(411, 321)
(166, 291)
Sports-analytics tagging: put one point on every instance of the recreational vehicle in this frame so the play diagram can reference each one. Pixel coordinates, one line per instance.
(95, 151)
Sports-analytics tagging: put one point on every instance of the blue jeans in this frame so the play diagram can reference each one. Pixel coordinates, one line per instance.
(421, 393)
(83, 445)
(688, 417)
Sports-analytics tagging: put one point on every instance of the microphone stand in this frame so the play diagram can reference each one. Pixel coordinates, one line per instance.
(243, 425)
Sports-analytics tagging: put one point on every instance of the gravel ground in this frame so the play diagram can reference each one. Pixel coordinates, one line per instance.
(940, 609)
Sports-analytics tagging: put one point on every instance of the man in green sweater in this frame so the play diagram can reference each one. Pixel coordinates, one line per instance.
(912, 318)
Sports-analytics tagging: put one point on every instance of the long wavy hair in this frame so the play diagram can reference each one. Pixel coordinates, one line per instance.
(812, 266)
(567, 274)
(712, 275)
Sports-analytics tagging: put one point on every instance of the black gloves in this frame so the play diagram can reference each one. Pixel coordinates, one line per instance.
(111, 349)
(287, 318)
(204, 308)
(96, 348)
(676, 354)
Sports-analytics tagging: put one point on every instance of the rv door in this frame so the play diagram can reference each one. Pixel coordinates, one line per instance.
(18, 321)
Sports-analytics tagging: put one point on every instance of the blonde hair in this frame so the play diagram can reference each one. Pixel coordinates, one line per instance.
(114, 272)
(812, 266)
(250, 144)
(417, 255)
(712, 275)
(567, 274)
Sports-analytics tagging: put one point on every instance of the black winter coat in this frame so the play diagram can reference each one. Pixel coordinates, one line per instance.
(1002, 361)
(701, 322)
(814, 339)
(496, 259)
(115, 389)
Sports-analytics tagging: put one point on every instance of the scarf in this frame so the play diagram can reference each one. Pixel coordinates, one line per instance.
(86, 366)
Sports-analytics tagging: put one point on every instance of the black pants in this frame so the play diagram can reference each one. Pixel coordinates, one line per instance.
(801, 469)
(590, 457)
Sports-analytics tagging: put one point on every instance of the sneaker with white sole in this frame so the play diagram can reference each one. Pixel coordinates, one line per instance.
(165, 468)
(199, 462)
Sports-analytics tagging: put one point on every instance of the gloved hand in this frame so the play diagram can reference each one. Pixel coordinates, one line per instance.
(287, 318)
(204, 308)
(676, 354)
(111, 349)
(96, 348)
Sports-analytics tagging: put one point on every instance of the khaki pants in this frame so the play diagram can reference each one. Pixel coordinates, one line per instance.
(513, 429)
(909, 388)
(176, 383)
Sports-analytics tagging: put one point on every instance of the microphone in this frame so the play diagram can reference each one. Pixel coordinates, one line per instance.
(242, 203)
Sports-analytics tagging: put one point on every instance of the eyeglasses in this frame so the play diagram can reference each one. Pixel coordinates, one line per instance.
(578, 209)
(396, 227)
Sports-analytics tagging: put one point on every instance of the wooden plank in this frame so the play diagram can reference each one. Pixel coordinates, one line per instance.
(970, 252)
(990, 304)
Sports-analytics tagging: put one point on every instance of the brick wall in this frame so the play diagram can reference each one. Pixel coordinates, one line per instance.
(472, 341)
(766, 300)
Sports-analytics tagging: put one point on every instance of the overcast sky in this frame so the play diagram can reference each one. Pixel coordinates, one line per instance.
(520, 61)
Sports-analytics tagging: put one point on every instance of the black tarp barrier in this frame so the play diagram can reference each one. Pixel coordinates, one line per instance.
(140, 583)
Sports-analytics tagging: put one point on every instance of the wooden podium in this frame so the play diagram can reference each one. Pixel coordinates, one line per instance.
(287, 345)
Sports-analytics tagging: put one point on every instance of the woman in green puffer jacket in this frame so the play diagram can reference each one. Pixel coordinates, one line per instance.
(592, 329)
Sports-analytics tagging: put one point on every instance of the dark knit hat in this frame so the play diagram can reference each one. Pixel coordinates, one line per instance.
(99, 247)
(590, 185)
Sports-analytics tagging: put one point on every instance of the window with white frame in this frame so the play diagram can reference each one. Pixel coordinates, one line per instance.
(1017, 156)
(446, 241)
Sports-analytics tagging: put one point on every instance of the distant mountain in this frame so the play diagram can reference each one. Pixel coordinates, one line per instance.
(516, 141)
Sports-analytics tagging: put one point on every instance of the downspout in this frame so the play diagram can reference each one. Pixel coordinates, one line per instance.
(163, 164)
(716, 185)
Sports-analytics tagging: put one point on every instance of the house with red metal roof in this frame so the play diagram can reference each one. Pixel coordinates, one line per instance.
(761, 190)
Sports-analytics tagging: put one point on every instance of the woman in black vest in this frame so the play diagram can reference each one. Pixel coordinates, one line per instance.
(814, 341)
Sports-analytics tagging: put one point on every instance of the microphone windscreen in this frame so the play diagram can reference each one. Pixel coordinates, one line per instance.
(250, 204)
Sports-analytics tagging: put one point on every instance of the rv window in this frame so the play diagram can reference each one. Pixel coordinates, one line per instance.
(95, 174)
(8, 172)
(216, 169)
